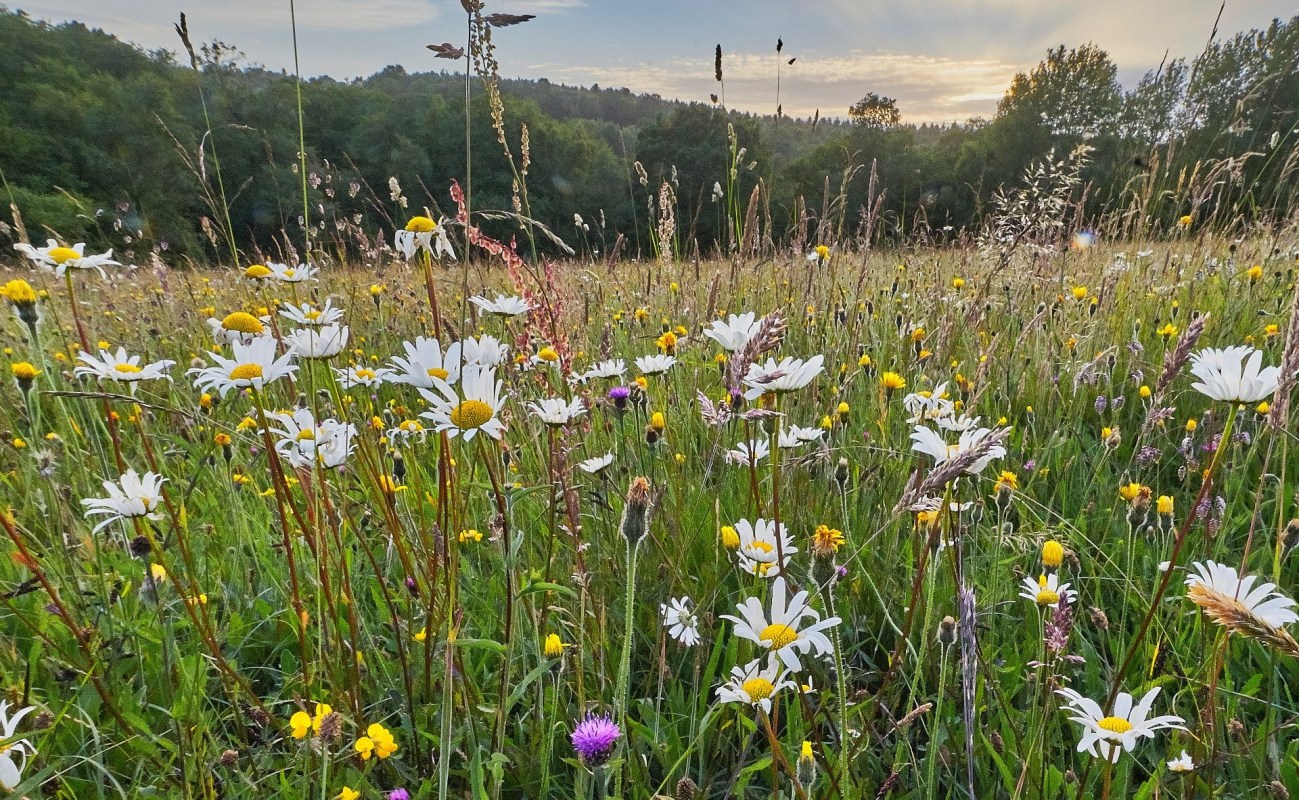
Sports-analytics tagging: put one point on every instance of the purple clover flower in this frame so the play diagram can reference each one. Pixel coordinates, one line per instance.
(594, 739)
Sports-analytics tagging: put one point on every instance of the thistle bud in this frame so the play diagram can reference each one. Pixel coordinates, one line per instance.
(947, 631)
(841, 474)
(635, 514)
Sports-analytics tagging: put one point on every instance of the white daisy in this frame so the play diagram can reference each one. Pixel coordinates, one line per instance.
(307, 314)
(325, 341)
(783, 635)
(755, 685)
(133, 495)
(502, 306)
(476, 408)
(593, 466)
(1233, 374)
(254, 366)
(295, 274)
(1182, 763)
(485, 351)
(930, 442)
(422, 233)
(759, 553)
(11, 770)
(680, 620)
(425, 364)
(653, 365)
(56, 257)
(1047, 591)
(405, 430)
(749, 453)
(735, 332)
(239, 326)
(121, 368)
(1261, 600)
(557, 411)
(613, 368)
(786, 375)
(925, 406)
(303, 442)
(793, 436)
(1107, 736)
(355, 376)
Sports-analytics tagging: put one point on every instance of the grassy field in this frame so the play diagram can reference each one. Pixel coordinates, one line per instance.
(305, 609)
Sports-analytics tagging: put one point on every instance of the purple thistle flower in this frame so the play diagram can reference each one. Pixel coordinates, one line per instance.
(399, 794)
(619, 393)
(594, 738)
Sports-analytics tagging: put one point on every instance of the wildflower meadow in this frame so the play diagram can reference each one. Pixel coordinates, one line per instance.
(482, 510)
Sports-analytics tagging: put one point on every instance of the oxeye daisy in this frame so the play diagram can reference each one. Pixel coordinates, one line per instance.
(1233, 374)
(758, 552)
(782, 635)
(794, 436)
(485, 351)
(292, 274)
(422, 233)
(735, 332)
(130, 496)
(928, 441)
(681, 621)
(325, 341)
(1047, 591)
(502, 306)
(787, 375)
(655, 364)
(304, 443)
(749, 453)
(354, 376)
(1229, 597)
(253, 366)
(593, 466)
(1107, 736)
(307, 314)
(59, 258)
(556, 411)
(755, 684)
(476, 407)
(1182, 763)
(613, 368)
(12, 767)
(425, 365)
(239, 326)
(121, 367)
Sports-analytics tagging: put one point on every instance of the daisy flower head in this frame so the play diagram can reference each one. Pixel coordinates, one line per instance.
(1047, 591)
(613, 368)
(556, 411)
(11, 766)
(425, 365)
(680, 619)
(239, 326)
(131, 496)
(749, 453)
(325, 341)
(307, 314)
(931, 443)
(1233, 374)
(1226, 596)
(476, 408)
(296, 274)
(1107, 736)
(502, 306)
(734, 333)
(253, 366)
(1182, 763)
(787, 375)
(422, 233)
(594, 739)
(304, 442)
(793, 436)
(655, 364)
(758, 552)
(755, 684)
(485, 351)
(355, 376)
(59, 258)
(121, 367)
(782, 633)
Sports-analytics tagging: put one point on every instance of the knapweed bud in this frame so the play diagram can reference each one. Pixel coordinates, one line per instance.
(947, 631)
(841, 474)
(635, 514)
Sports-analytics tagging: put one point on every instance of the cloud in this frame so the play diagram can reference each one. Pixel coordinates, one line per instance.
(128, 17)
(927, 88)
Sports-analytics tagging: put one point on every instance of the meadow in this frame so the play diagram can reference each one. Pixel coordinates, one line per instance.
(919, 523)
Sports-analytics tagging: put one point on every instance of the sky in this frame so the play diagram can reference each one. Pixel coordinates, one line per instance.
(942, 60)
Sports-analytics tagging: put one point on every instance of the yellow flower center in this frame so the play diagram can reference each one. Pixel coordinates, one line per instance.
(438, 372)
(127, 369)
(779, 636)
(764, 547)
(1114, 725)
(365, 374)
(288, 273)
(420, 225)
(1047, 597)
(758, 688)
(471, 414)
(246, 372)
(243, 322)
(312, 315)
(306, 435)
(257, 271)
(61, 255)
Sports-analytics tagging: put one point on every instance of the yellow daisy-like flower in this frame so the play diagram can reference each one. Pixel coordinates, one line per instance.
(554, 647)
(892, 381)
